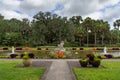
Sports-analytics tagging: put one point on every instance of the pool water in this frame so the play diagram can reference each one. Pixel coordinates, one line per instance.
(72, 55)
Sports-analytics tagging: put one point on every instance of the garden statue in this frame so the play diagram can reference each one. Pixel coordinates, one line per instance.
(60, 50)
(60, 47)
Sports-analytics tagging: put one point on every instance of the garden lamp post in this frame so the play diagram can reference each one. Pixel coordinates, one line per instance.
(89, 31)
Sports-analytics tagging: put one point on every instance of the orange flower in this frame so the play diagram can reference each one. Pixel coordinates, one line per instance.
(60, 54)
(26, 48)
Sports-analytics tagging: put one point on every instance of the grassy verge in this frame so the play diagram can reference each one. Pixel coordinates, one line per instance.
(8, 71)
(110, 72)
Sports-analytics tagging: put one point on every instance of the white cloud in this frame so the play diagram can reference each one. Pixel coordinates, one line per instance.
(96, 9)
(95, 15)
(34, 6)
(11, 14)
(9, 4)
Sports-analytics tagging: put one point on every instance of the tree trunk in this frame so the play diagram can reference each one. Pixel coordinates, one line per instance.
(95, 37)
(102, 38)
(80, 41)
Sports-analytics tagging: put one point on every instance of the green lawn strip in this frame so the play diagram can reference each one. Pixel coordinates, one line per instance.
(9, 71)
(110, 72)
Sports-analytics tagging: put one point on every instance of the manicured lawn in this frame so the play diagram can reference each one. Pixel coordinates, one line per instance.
(9, 71)
(110, 72)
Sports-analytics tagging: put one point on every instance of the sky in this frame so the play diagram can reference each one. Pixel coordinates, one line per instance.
(108, 10)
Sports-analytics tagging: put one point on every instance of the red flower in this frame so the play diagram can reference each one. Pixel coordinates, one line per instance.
(60, 54)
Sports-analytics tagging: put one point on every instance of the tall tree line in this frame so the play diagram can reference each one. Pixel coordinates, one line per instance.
(50, 29)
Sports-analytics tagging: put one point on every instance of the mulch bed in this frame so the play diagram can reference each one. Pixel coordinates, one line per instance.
(45, 64)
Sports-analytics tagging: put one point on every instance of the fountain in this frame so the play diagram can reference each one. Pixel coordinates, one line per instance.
(107, 55)
(13, 50)
(105, 50)
(13, 55)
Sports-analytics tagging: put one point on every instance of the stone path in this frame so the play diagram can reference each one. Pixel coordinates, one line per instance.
(59, 70)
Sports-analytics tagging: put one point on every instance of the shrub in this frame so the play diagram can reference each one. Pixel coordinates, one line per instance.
(68, 54)
(73, 48)
(96, 62)
(64, 57)
(81, 48)
(83, 62)
(108, 55)
(21, 55)
(46, 48)
(39, 49)
(13, 55)
(25, 57)
(4, 56)
(18, 48)
(102, 57)
(92, 60)
(90, 56)
(52, 54)
(31, 55)
(5, 48)
(18, 57)
(115, 48)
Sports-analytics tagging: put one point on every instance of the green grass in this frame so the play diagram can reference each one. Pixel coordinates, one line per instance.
(9, 71)
(110, 72)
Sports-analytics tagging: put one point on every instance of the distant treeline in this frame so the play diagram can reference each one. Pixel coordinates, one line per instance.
(50, 29)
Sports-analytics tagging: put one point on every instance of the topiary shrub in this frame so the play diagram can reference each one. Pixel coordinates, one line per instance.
(91, 59)
(96, 62)
(108, 55)
(5, 48)
(115, 48)
(39, 49)
(21, 55)
(18, 48)
(81, 48)
(83, 62)
(13, 55)
(90, 56)
(73, 48)
(31, 55)
(25, 57)
(47, 49)
(102, 57)
(17, 57)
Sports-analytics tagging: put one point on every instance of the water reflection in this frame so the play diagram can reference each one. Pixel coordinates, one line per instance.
(115, 54)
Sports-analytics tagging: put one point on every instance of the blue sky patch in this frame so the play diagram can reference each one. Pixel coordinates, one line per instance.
(20, 0)
(58, 7)
(19, 12)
